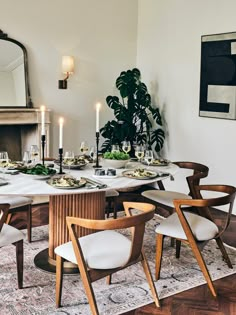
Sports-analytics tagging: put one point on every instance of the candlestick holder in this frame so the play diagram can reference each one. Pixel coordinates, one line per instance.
(97, 143)
(60, 161)
(43, 141)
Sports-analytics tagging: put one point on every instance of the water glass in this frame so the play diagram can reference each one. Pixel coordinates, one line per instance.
(83, 147)
(69, 158)
(4, 157)
(115, 148)
(26, 158)
(34, 153)
(148, 157)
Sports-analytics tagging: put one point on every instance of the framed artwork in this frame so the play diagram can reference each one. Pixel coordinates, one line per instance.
(218, 76)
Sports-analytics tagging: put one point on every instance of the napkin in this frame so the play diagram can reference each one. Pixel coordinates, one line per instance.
(94, 184)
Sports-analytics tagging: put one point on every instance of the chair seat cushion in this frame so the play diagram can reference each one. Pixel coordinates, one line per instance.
(9, 235)
(165, 197)
(101, 250)
(15, 202)
(202, 228)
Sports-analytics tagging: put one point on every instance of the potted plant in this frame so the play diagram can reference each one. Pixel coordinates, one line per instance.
(136, 120)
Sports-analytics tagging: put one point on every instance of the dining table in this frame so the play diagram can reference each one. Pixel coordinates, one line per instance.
(87, 201)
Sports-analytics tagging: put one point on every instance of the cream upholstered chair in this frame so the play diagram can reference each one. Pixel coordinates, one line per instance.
(19, 204)
(164, 199)
(194, 229)
(98, 258)
(10, 235)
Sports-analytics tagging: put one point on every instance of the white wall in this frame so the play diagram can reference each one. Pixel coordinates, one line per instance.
(168, 54)
(101, 35)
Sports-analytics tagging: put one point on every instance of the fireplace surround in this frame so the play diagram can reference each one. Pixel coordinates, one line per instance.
(20, 128)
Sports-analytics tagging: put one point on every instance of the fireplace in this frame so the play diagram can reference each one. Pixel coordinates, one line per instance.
(20, 128)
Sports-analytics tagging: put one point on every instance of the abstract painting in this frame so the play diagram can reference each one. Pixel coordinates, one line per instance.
(218, 76)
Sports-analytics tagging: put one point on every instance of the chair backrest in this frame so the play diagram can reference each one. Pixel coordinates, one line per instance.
(199, 171)
(4, 208)
(205, 205)
(136, 222)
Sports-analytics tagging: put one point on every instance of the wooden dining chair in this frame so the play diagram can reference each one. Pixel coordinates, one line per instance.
(19, 204)
(97, 258)
(195, 229)
(10, 235)
(164, 198)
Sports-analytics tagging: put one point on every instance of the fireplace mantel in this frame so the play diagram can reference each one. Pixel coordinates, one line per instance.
(22, 116)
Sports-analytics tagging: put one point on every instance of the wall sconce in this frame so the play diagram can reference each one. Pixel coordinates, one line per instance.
(67, 68)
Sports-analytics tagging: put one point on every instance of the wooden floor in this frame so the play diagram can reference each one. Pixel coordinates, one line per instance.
(197, 301)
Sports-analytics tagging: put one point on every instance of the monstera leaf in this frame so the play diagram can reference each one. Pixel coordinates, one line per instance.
(136, 120)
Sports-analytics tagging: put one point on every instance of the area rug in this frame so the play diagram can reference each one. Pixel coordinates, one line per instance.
(128, 291)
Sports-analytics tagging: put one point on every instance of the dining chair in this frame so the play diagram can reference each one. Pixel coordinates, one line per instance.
(164, 198)
(10, 235)
(111, 196)
(96, 258)
(196, 229)
(19, 204)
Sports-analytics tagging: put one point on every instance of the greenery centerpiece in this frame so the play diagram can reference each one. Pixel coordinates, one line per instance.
(136, 120)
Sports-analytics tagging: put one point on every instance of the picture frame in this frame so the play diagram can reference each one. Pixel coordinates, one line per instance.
(218, 76)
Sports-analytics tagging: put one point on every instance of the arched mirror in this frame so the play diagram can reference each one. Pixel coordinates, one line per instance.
(14, 80)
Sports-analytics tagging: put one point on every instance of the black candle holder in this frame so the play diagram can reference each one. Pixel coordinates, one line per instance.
(60, 160)
(97, 143)
(43, 141)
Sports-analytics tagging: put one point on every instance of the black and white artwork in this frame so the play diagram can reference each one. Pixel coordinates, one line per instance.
(218, 76)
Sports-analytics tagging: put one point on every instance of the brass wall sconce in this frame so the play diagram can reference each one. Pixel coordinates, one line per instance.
(68, 69)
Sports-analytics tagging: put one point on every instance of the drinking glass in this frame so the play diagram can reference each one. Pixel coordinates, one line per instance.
(126, 146)
(139, 152)
(26, 158)
(84, 147)
(69, 158)
(34, 153)
(115, 148)
(4, 157)
(148, 157)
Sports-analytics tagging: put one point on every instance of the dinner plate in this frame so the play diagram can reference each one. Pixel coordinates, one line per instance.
(39, 177)
(157, 162)
(80, 183)
(73, 167)
(131, 174)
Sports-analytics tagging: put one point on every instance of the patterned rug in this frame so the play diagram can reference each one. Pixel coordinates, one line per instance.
(128, 291)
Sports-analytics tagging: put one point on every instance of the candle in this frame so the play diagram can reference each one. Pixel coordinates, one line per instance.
(61, 122)
(42, 108)
(98, 105)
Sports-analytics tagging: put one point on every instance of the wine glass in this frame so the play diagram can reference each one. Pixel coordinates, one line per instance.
(148, 157)
(126, 146)
(139, 152)
(4, 157)
(84, 147)
(69, 158)
(34, 153)
(92, 153)
(115, 148)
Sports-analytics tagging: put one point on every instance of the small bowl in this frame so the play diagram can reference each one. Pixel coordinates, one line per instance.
(115, 163)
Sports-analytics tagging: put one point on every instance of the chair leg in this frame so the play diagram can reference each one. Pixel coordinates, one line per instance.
(29, 223)
(202, 266)
(59, 279)
(108, 279)
(19, 262)
(159, 250)
(178, 247)
(114, 208)
(88, 289)
(224, 252)
(148, 274)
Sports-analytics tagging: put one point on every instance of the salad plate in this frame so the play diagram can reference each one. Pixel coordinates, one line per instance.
(66, 182)
(140, 173)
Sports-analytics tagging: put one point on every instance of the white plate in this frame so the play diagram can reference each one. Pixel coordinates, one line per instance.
(105, 176)
(130, 174)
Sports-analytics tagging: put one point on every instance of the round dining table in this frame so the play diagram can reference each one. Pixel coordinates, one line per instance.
(86, 202)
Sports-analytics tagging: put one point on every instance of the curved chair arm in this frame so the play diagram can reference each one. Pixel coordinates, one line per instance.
(145, 207)
(4, 208)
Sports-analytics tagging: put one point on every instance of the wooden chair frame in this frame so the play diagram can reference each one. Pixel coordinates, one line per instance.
(4, 209)
(204, 205)
(137, 225)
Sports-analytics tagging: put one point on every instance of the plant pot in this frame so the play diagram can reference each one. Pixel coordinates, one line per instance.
(115, 163)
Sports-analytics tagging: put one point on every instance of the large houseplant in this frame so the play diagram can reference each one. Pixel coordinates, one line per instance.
(136, 120)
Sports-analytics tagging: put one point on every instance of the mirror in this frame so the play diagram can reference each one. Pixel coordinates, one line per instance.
(14, 80)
